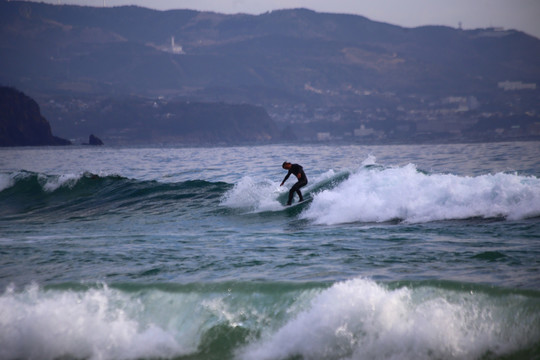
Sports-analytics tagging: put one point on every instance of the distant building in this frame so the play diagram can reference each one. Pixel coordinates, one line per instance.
(175, 49)
(323, 136)
(363, 131)
(516, 85)
(170, 48)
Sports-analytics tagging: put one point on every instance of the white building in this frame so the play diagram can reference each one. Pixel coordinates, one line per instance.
(175, 49)
(363, 131)
(516, 85)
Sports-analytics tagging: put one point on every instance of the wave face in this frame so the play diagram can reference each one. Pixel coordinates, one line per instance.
(354, 319)
(377, 194)
(89, 195)
(371, 194)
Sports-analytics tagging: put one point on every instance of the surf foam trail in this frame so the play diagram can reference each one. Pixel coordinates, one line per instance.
(355, 319)
(379, 194)
(261, 196)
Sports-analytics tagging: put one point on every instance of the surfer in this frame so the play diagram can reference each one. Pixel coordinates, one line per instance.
(297, 171)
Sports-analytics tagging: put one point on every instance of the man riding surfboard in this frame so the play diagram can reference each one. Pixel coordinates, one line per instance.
(297, 171)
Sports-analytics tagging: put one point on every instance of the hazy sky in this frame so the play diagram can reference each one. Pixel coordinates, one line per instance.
(522, 15)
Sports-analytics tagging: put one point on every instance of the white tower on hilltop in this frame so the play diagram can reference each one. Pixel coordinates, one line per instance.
(176, 49)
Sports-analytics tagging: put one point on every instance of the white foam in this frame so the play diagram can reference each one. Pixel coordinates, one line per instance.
(370, 160)
(6, 181)
(51, 183)
(254, 196)
(359, 319)
(355, 319)
(261, 196)
(97, 324)
(378, 195)
(325, 176)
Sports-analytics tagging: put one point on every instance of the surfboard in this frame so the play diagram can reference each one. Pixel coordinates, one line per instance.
(307, 200)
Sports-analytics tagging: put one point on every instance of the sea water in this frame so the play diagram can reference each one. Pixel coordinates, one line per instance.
(403, 252)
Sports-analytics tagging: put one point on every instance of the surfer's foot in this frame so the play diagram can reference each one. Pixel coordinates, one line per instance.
(301, 199)
(289, 203)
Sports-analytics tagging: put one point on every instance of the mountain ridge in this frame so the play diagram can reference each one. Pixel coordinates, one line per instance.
(300, 36)
(279, 60)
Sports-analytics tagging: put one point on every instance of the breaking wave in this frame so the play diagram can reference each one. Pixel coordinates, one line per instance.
(354, 319)
(261, 196)
(378, 194)
(373, 193)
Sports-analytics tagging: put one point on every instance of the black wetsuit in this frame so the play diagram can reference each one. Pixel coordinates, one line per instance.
(295, 170)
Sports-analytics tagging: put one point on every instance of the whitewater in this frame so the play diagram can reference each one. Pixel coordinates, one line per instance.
(400, 252)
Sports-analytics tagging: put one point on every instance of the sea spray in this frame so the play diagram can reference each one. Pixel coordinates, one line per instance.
(360, 319)
(265, 195)
(407, 194)
(353, 319)
(95, 324)
(250, 195)
(6, 181)
(142, 321)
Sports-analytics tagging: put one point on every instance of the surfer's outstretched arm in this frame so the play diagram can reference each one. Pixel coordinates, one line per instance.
(287, 166)
(286, 177)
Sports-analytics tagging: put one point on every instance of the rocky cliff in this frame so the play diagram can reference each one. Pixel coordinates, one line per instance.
(21, 122)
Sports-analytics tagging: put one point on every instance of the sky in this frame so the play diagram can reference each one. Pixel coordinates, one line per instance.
(521, 15)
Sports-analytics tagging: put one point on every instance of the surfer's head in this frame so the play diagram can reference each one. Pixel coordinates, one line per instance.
(286, 165)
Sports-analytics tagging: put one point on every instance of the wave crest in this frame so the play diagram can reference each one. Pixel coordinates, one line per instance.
(353, 319)
(360, 319)
(404, 193)
(85, 194)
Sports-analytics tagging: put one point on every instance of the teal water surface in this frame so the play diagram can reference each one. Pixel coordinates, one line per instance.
(415, 252)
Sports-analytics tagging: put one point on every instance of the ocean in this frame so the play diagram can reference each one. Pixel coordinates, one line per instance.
(401, 252)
